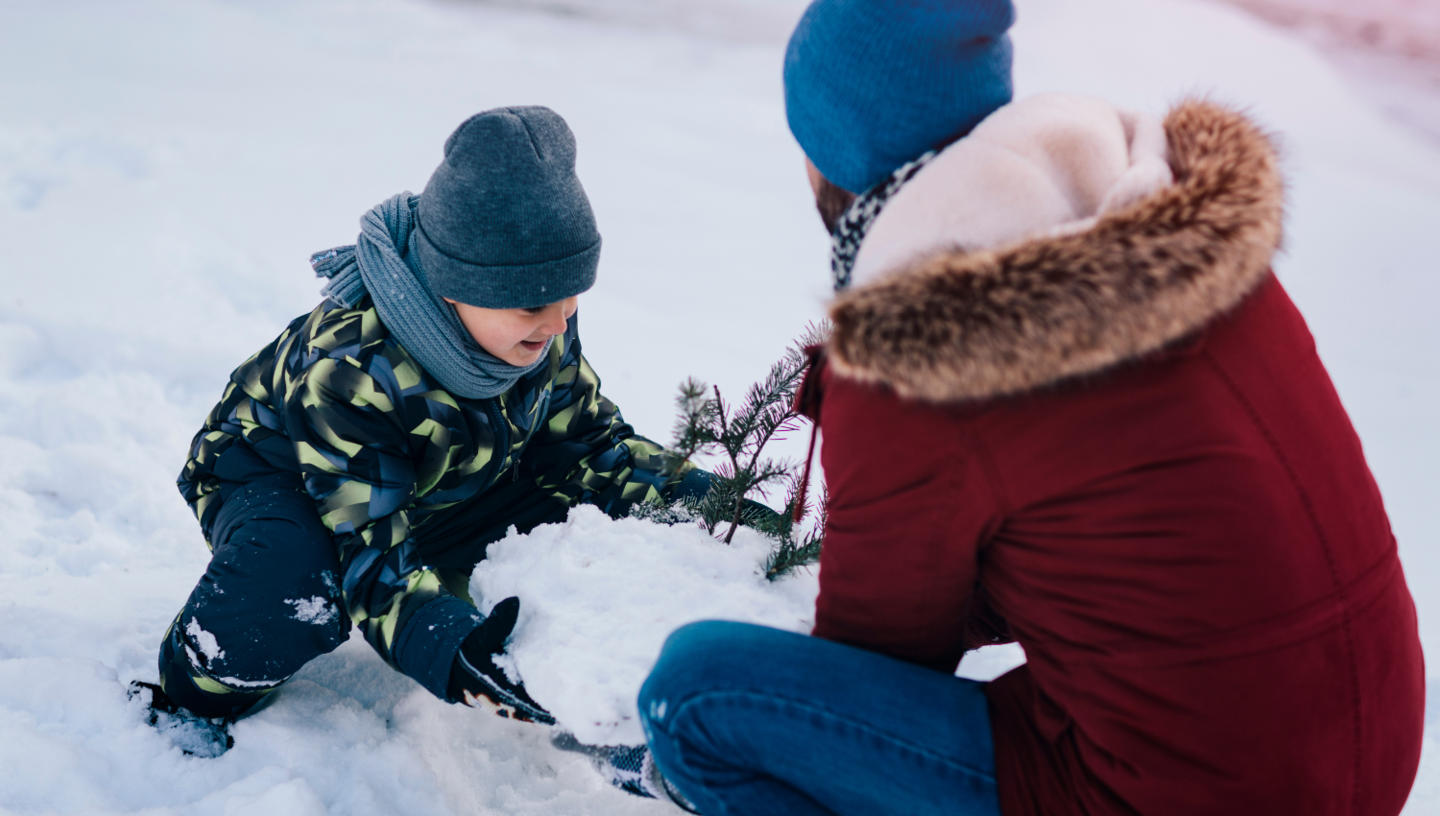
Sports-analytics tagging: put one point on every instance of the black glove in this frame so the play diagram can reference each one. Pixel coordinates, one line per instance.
(477, 678)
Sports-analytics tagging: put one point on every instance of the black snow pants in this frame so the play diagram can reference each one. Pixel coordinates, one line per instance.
(268, 603)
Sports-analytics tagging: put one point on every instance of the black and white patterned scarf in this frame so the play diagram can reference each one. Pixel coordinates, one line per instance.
(850, 230)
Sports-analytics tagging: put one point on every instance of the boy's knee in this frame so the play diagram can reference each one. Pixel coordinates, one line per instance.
(253, 620)
(186, 679)
(260, 645)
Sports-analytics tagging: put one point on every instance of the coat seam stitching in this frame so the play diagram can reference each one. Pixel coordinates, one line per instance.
(1346, 620)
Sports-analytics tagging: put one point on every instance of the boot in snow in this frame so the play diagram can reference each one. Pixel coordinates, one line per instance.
(194, 735)
(628, 767)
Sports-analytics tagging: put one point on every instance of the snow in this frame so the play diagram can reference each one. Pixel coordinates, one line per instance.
(316, 610)
(603, 597)
(209, 646)
(166, 168)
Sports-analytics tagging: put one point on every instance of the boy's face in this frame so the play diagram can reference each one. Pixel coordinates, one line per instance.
(517, 336)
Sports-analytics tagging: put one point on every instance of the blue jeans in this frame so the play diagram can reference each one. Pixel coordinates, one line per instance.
(745, 719)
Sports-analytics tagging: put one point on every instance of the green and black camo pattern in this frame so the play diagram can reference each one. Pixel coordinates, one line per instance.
(413, 481)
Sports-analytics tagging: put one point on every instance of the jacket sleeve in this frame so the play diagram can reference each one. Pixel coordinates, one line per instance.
(585, 451)
(354, 456)
(909, 507)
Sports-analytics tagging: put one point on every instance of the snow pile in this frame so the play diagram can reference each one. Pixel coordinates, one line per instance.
(598, 598)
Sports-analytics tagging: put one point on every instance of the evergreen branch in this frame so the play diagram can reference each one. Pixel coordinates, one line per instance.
(790, 554)
(693, 426)
(766, 471)
(722, 426)
(768, 404)
(815, 333)
(693, 433)
(752, 479)
(705, 421)
(735, 519)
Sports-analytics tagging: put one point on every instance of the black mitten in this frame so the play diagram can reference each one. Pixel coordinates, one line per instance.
(483, 674)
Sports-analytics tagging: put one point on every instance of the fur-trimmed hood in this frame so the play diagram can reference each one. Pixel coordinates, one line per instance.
(958, 324)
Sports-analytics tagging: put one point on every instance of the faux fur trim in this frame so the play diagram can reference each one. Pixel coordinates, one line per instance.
(961, 325)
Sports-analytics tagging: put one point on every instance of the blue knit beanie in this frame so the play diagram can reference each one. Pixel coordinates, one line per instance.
(873, 84)
(503, 222)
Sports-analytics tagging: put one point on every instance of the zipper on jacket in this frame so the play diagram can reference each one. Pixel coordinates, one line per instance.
(525, 443)
(502, 429)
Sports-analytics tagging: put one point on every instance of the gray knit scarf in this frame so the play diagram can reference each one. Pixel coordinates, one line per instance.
(855, 222)
(423, 323)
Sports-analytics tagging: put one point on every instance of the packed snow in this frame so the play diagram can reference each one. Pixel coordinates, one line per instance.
(604, 595)
(166, 167)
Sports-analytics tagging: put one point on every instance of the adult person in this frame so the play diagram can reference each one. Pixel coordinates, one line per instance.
(1066, 402)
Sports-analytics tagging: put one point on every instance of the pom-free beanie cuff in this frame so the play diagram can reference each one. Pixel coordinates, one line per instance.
(506, 286)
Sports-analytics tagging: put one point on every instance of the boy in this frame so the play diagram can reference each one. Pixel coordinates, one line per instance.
(356, 468)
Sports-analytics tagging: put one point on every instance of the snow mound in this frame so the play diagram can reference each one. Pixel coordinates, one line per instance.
(598, 597)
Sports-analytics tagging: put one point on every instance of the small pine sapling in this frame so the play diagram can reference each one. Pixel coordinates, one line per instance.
(706, 423)
(795, 548)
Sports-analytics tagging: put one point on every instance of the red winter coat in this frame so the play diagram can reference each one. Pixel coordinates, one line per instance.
(1120, 449)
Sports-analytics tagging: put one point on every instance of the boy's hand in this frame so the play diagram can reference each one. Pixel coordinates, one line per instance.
(483, 674)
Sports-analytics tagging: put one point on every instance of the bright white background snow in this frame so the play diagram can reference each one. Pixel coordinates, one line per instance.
(167, 166)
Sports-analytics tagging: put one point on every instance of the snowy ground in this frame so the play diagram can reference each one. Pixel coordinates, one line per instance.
(585, 652)
(167, 166)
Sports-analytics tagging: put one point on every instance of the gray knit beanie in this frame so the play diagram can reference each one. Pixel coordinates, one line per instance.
(503, 222)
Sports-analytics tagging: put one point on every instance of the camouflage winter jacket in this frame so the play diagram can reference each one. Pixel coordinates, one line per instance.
(414, 481)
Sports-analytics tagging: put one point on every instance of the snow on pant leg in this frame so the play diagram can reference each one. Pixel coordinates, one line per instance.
(268, 603)
(744, 719)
